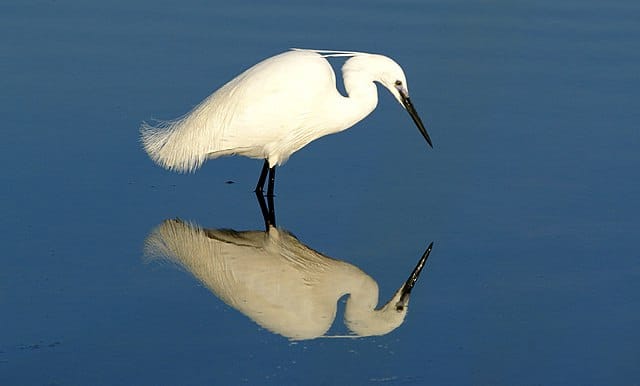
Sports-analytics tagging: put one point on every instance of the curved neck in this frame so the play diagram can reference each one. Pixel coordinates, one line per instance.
(344, 112)
(362, 96)
(361, 315)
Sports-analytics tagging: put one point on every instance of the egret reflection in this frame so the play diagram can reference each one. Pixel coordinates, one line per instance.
(280, 283)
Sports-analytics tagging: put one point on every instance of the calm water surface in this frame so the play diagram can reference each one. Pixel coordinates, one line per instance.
(530, 194)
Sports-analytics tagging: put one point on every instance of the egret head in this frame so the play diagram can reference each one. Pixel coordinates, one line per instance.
(389, 73)
(391, 315)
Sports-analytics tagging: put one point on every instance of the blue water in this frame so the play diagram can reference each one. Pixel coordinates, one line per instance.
(530, 193)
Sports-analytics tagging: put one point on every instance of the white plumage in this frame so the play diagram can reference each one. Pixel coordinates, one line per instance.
(275, 108)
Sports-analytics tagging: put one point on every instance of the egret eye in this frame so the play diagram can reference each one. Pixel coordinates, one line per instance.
(398, 83)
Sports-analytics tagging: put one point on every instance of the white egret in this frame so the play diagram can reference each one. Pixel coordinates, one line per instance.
(275, 108)
(280, 283)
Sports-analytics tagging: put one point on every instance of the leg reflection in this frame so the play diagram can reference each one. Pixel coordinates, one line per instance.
(268, 210)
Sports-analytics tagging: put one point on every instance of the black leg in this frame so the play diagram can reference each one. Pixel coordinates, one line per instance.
(272, 180)
(263, 177)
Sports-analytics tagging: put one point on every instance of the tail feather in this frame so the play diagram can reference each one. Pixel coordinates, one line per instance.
(174, 145)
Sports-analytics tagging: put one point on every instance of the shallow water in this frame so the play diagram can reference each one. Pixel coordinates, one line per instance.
(530, 193)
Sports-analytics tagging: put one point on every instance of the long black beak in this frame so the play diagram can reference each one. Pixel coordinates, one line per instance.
(413, 278)
(416, 118)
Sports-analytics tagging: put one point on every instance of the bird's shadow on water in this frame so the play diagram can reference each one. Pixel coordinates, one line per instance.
(277, 281)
